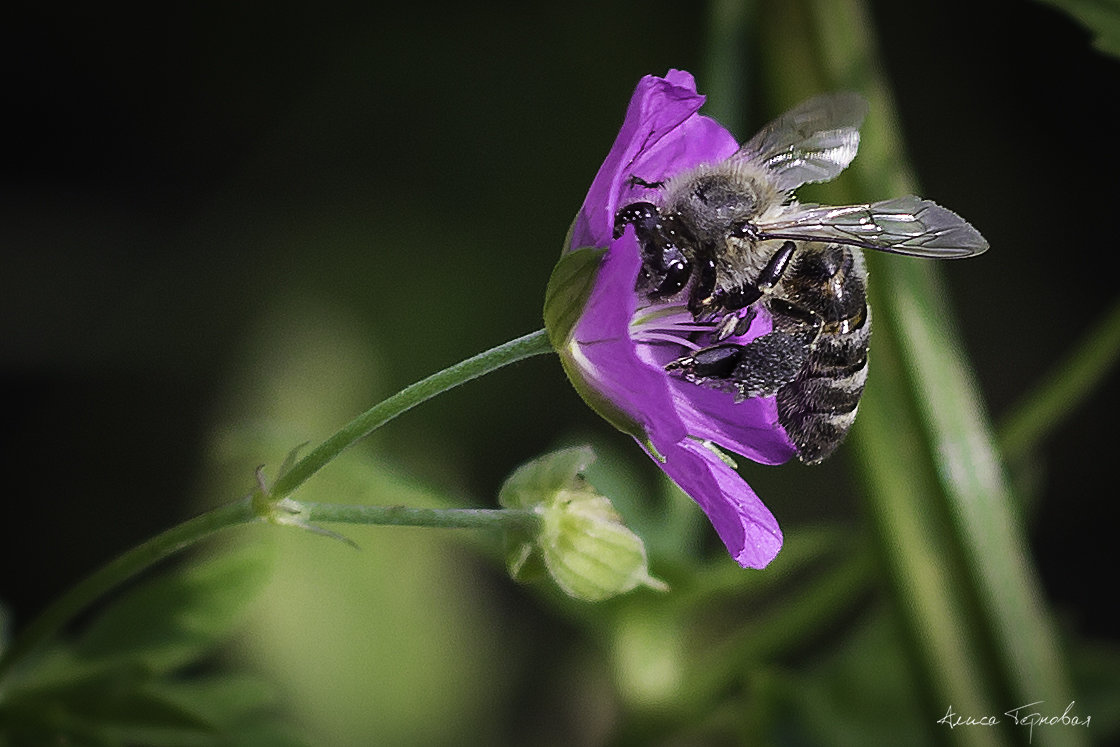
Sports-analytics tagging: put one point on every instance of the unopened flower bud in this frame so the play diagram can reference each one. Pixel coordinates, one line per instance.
(581, 541)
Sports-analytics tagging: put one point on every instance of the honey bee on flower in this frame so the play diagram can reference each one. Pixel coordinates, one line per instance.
(721, 312)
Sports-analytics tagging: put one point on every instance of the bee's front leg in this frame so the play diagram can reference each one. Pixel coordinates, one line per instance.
(663, 241)
(748, 293)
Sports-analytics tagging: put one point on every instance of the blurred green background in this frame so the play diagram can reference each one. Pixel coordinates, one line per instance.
(226, 229)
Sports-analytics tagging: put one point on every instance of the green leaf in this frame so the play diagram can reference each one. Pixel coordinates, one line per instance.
(221, 702)
(173, 619)
(107, 688)
(1101, 17)
(128, 707)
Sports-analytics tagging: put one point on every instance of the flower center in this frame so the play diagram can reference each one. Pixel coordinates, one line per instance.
(669, 324)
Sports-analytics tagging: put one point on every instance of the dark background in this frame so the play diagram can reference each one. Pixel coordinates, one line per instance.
(169, 175)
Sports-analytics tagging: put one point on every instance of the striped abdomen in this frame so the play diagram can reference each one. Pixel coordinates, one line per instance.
(819, 406)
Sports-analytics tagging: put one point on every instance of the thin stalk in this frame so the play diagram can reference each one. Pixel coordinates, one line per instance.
(1073, 381)
(409, 516)
(269, 504)
(725, 67)
(535, 343)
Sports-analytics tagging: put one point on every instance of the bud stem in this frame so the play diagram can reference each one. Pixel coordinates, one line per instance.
(446, 518)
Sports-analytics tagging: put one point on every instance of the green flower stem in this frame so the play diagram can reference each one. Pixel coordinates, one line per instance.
(447, 518)
(535, 343)
(268, 504)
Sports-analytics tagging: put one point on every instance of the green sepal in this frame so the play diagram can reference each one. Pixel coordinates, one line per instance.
(525, 489)
(571, 283)
(589, 552)
(569, 286)
(566, 246)
(544, 475)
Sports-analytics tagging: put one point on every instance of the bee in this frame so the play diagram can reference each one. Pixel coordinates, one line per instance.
(729, 239)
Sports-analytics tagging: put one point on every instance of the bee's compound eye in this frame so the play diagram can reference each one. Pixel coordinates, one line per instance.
(639, 214)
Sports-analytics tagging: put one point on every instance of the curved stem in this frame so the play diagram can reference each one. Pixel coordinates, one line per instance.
(266, 504)
(535, 343)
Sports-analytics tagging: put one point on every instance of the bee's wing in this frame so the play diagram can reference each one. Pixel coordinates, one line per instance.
(905, 225)
(813, 142)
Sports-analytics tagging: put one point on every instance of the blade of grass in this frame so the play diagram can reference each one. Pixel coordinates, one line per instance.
(724, 73)
(1069, 384)
(936, 489)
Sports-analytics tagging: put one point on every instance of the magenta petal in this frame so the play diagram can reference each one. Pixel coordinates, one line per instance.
(749, 427)
(698, 140)
(611, 364)
(745, 525)
(661, 135)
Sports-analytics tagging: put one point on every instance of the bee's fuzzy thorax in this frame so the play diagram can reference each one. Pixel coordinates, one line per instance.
(745, 190)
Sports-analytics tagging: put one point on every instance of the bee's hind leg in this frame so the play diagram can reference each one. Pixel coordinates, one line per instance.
(761, 367)
(756, 369)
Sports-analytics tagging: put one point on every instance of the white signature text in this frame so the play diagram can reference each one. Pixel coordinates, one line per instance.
(1025, 715)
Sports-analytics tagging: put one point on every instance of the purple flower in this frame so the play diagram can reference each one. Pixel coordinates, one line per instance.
(614, 342)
